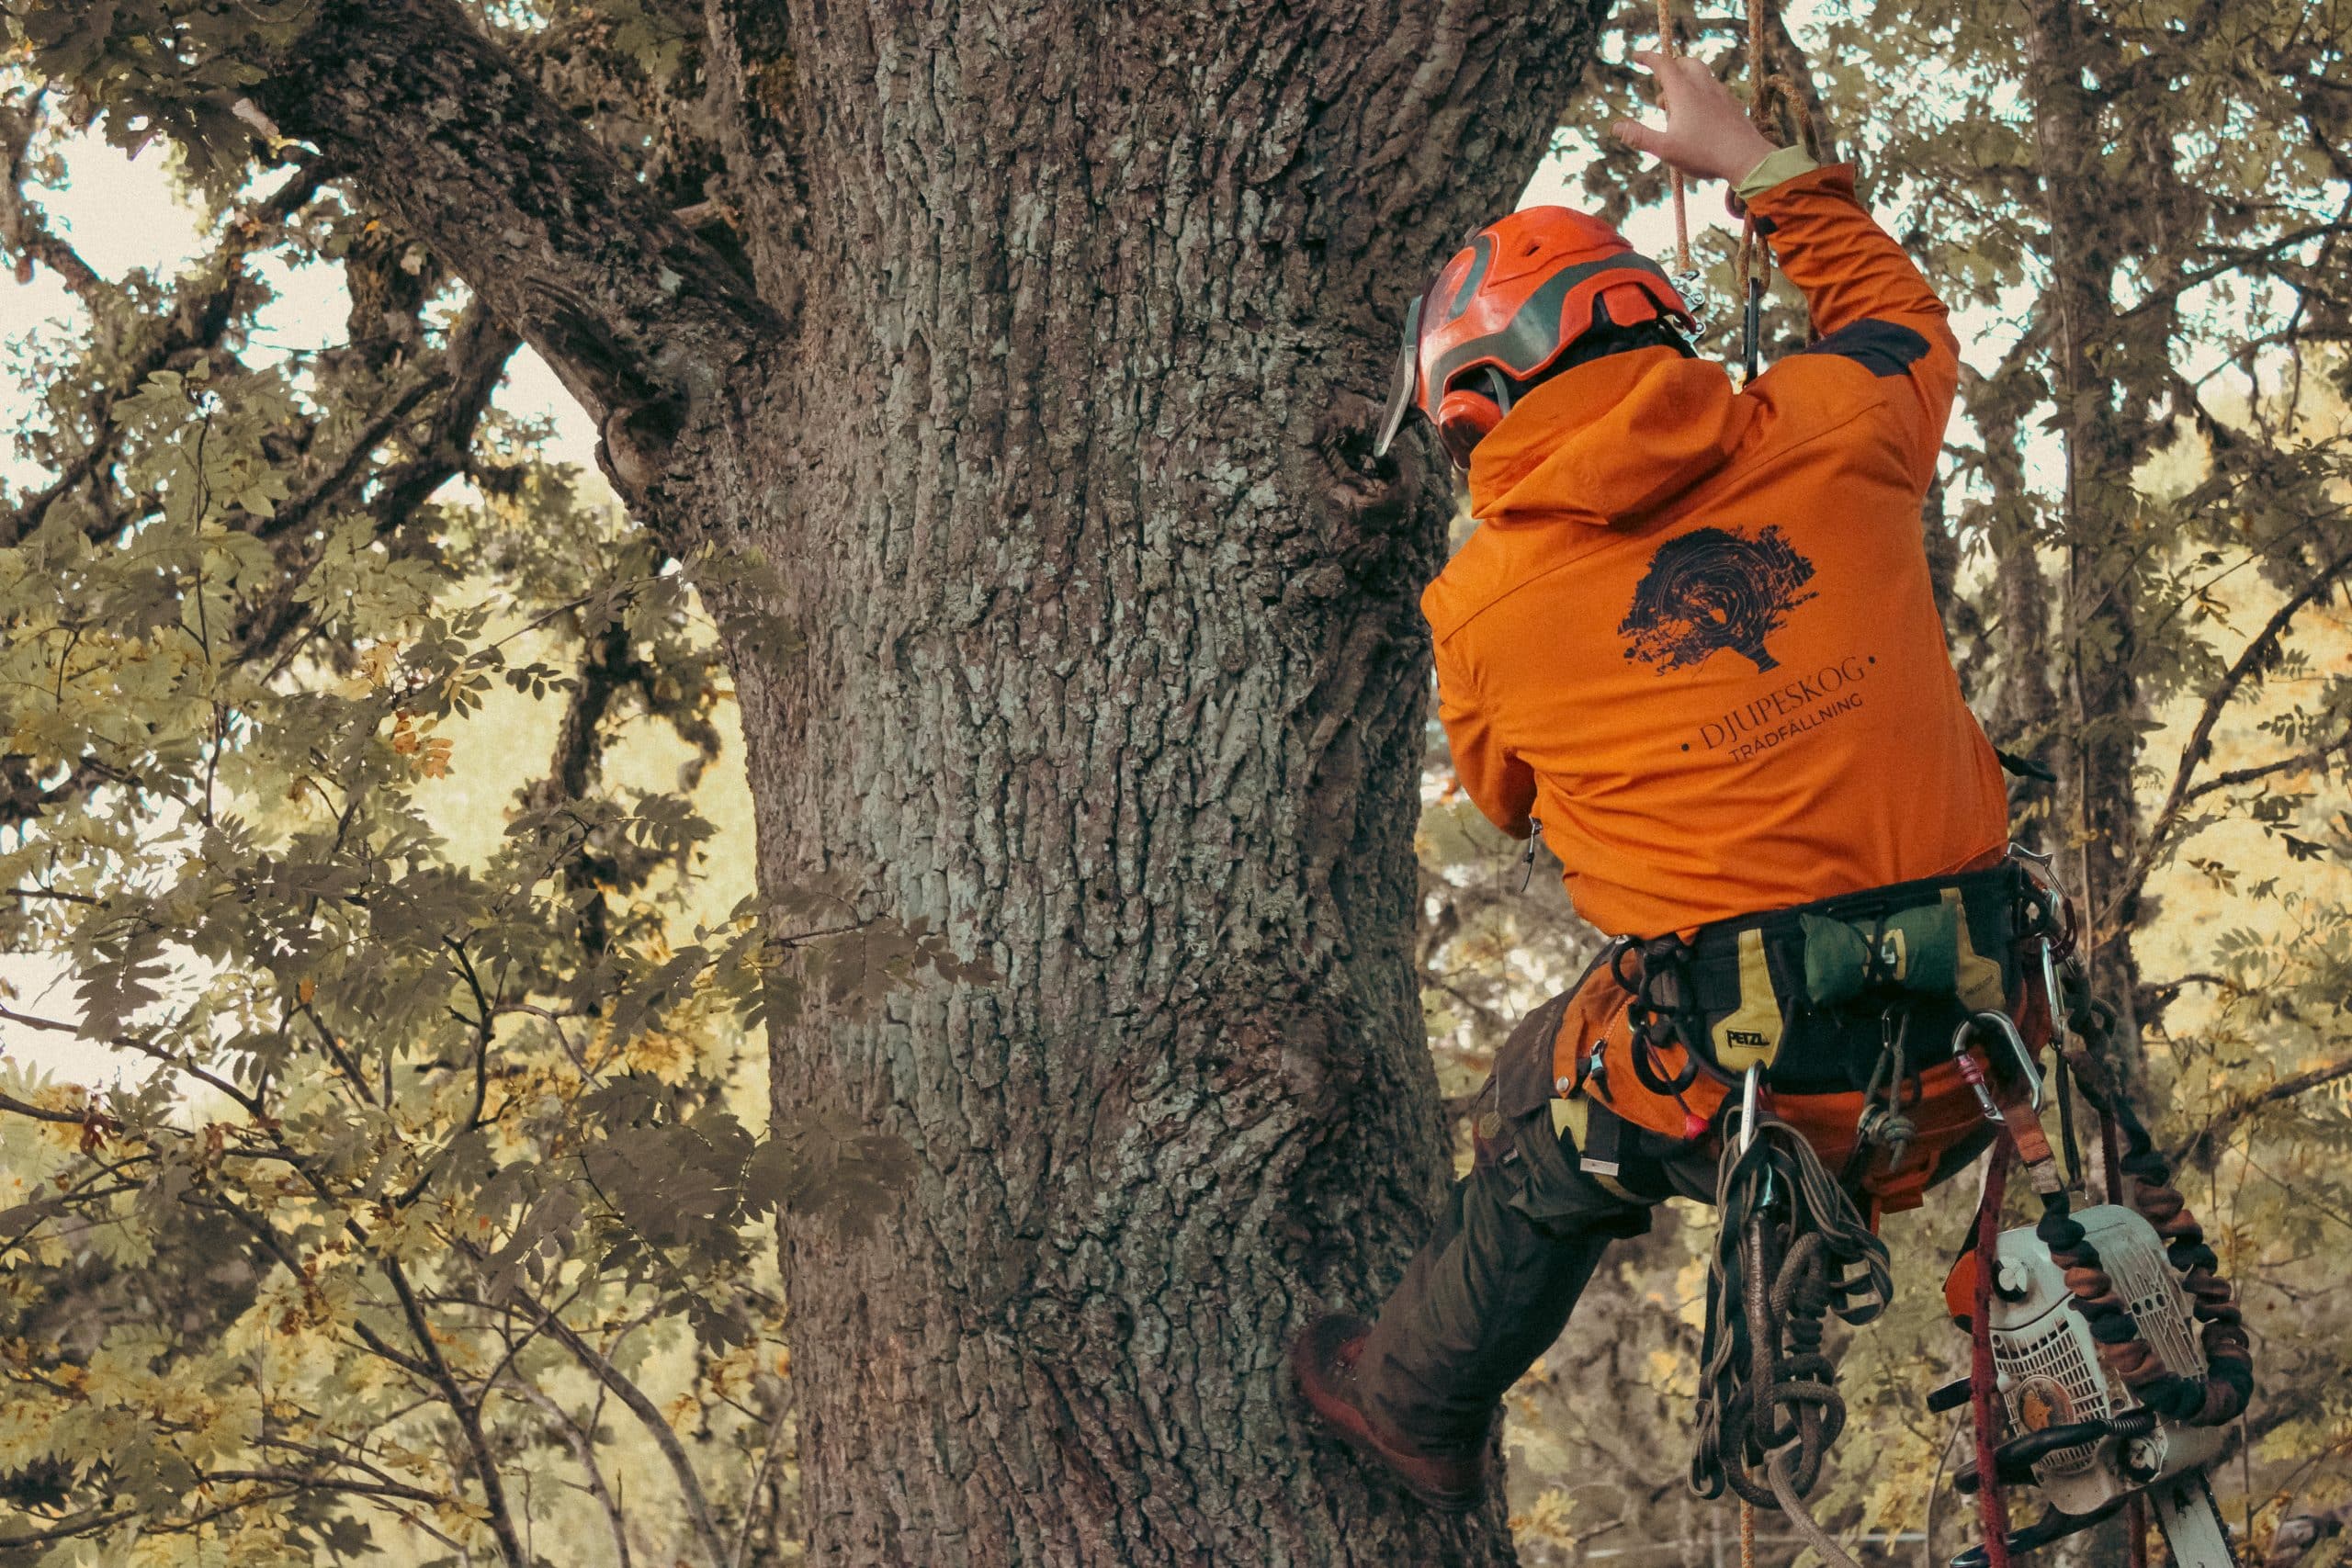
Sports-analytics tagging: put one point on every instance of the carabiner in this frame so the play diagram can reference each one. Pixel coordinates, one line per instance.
(1747, 1088)
(2058, 1029)
(2001, 1023)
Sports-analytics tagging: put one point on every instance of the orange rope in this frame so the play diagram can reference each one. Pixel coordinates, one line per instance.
(1674, 176)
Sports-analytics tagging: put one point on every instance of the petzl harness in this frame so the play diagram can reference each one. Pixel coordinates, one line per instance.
(1850, 1008)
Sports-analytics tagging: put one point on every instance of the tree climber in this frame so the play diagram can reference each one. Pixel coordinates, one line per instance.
(1693, 640)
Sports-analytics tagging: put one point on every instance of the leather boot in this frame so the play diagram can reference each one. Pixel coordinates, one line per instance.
(1324, 1361)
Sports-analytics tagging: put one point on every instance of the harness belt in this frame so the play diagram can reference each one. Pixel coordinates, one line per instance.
(1804, 992)
(1887, 995)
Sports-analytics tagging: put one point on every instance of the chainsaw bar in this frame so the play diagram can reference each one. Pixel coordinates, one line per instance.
(2192, 1525)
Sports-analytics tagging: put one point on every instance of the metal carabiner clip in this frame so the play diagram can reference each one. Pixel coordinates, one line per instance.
(2059, 1031)
(1692, 286)
(1747, 1086)
(2003, 1025)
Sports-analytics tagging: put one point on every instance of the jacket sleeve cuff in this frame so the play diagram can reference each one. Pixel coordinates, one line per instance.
(1786, 164)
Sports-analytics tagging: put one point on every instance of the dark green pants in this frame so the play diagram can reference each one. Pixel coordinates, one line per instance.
(1520, 1236)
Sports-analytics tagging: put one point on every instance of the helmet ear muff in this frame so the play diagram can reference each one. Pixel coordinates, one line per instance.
(1466, 418)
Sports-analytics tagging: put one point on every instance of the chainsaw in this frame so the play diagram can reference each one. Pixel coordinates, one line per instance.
(2075, 1433)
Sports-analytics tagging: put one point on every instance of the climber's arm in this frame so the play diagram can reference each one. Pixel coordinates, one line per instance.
(1870, 303)
(1496, 780)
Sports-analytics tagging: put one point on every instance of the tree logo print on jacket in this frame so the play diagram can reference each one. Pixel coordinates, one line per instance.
(1714, 589)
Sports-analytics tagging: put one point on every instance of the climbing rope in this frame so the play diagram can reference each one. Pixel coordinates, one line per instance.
(1683, 270)
(1984, 1394)
(2221, 1394)
(1769, 1406)
(1777, 107)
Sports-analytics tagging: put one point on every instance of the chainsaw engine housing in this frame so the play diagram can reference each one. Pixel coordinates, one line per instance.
(2050, 1370)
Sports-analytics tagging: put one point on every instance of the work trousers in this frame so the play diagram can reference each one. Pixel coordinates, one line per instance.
(1519, 1240)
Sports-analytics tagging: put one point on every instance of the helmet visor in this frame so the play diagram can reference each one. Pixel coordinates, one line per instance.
(1400, 393)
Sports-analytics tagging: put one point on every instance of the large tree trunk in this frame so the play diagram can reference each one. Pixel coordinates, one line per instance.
(1049, 401)
(1113, 670)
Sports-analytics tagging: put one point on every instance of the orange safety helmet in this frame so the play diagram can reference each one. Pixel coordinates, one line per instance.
(1527, 287)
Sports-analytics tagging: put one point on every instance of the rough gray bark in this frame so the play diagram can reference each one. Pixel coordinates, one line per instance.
(1050, 403)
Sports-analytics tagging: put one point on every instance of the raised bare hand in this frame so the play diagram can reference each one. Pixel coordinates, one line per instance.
(1707, 134)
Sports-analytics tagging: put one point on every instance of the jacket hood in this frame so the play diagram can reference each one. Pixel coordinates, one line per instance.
(1607, 442)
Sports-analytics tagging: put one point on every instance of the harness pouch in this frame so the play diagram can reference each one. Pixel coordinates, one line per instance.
(1801, 991)
(1951, 1131)
(1950, 1128)
(1926, 949)
(1592, 1053)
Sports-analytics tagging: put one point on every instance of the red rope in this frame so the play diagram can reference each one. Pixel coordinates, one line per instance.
(2135, 1513)
(1992, 1508)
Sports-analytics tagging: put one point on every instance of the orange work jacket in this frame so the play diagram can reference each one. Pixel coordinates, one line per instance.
(1693, 633)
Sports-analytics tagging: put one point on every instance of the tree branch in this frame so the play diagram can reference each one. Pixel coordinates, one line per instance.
(2249, 774)
(471, 366)
(86, 1525)
(2255, 657)
(2231, 262)
(15, 1107)
(647, 1413)
(2202, 1145)
(329, 1483)
(466, 1411)
(641, 321)
(298, 508)
(474, 361)
(584, 1451)
(21, 229)
(197, 322)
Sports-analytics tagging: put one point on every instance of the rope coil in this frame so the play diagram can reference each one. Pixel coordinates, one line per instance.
(1768, 1405)
(2223, 1394)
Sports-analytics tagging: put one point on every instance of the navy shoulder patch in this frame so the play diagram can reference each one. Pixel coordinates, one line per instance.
(1883, 348)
